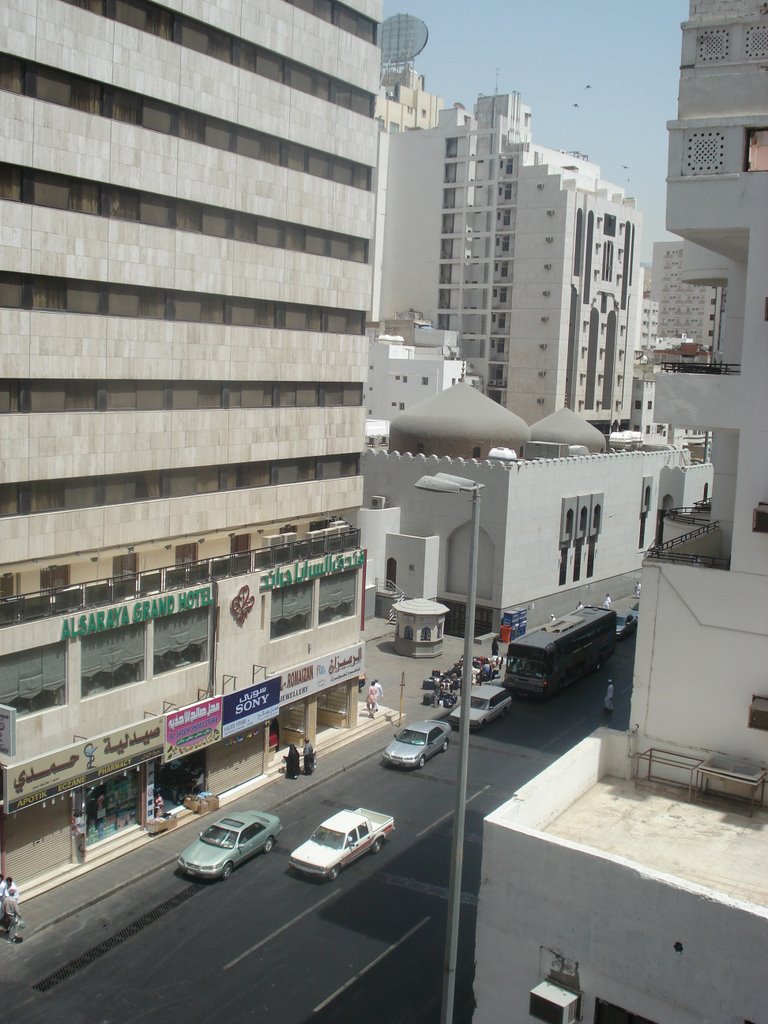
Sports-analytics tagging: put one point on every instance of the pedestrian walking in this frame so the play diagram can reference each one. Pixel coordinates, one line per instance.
(607, 601)
(552, 618)
(638, 588)
(495, 647)
(309, 756)
(371, 701)
(608, 700)
(379, 692)
(292, 762)
(579, 606)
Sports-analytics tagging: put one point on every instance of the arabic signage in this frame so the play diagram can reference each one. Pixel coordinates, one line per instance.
(250, 706)
(104, 619)
(85, 762)
(192, 728)
(310, 569)
(7, 731)
(319, 675)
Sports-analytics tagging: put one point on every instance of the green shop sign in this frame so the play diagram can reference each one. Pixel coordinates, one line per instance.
(300, 572)
(134, 612)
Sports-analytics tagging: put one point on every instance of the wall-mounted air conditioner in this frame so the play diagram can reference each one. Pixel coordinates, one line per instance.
(554, 1004)
(550, 213)
(545, 319)
(540, 185)
(550, 238)
(758, 713)
(542, 373)
(378, 501)
(546, 292)
(547, 266)
(760, 518)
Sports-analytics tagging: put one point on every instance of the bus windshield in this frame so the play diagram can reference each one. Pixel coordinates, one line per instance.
(528, 663)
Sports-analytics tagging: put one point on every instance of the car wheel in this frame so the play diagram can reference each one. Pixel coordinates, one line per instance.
(422, 761)
(228, 869)
(269, 844)
(333, 874)
(445, 745)
(377, 845)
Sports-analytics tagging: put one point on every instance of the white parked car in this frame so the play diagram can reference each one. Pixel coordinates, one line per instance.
(486, 703)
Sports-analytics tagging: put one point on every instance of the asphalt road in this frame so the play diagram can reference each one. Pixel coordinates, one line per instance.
(367, 947)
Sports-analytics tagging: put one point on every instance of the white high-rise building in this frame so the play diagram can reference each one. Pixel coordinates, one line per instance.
(522, 249)
(684, 307)
(186, 209)
(627, 882)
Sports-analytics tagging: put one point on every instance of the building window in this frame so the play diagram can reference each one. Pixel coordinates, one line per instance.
(337, 597)
(113, 659)
(34, 680)
(180, 640)
(291, 610)
(424, 381)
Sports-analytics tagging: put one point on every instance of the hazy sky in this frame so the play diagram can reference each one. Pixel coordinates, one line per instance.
(629, 55)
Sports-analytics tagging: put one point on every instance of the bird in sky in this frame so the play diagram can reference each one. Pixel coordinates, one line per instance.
(574, 104)
(587, 86)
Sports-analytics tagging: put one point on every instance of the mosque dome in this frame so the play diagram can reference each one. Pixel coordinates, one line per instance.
(460, 422)
(567, 427)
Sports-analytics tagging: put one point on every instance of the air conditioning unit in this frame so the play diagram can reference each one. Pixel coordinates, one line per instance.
(760, 518)
(545, 319)
(758, 713)
(550, 213)
(550, 238)
(546, 292)
(539, 401)
(554, 1004)
(542, 373)
(547, 266)
(378, 501)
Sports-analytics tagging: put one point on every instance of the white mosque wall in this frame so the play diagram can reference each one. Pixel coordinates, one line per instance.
(520, 518)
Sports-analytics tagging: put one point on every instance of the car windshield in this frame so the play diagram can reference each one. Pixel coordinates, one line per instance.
(328, 837)
(215, 835)
(412, 737)
(481, 703)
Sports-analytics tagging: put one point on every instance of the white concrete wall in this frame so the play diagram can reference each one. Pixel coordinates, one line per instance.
(543, 898)
(520, 515)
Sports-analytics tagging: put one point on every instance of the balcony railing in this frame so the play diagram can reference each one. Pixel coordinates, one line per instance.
(716, 368)
(68, 600)
(668, 552)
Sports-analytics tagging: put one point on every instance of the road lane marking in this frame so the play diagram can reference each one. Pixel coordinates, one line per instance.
(445, 817)
(288, 924)
(371, 965)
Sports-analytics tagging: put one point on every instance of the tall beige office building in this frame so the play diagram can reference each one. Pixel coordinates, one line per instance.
(186, 210)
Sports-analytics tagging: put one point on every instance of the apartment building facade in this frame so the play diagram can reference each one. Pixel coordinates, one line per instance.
(187, 208)
(525, 251)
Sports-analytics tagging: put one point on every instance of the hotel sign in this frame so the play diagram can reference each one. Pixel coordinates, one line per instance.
(45, 777)
(134, 612)
(310, 569)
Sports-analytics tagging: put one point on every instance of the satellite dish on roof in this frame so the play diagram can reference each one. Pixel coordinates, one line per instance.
(402, 37)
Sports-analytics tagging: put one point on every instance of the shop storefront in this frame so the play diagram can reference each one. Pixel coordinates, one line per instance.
(59, 806)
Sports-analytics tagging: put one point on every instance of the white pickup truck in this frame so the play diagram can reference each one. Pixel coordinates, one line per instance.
(341, 839)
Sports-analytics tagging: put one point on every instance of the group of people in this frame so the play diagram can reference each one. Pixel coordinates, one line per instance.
(10, 918)
(293, 760)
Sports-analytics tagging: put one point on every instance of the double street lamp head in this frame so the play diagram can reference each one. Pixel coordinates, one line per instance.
(447, 483)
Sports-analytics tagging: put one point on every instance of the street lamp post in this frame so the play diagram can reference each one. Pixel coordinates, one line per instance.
(448, 484)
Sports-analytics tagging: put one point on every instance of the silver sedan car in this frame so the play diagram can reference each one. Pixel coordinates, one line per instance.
(416, 743)
(229, 842)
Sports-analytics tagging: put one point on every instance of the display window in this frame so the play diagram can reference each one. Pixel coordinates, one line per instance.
(111, 805)
(185, 776)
